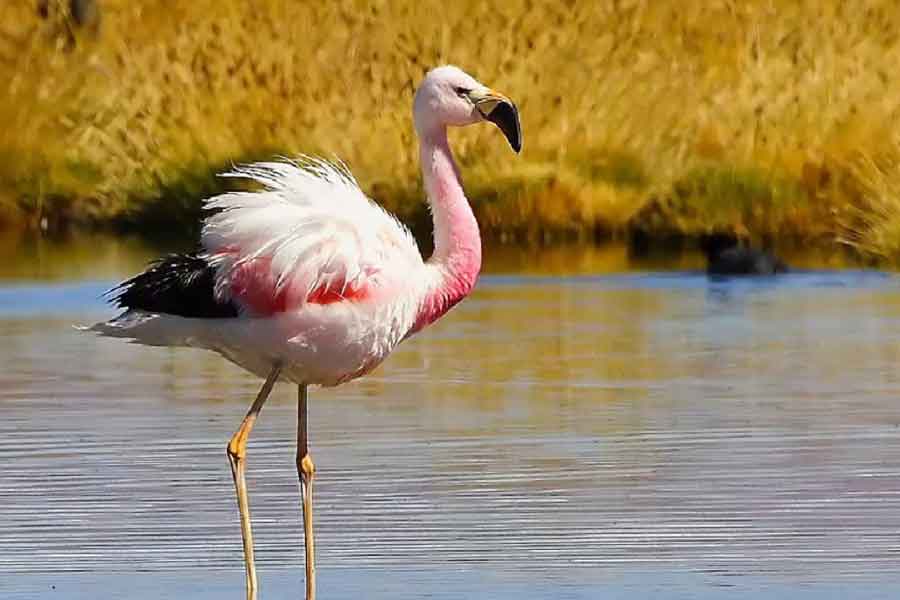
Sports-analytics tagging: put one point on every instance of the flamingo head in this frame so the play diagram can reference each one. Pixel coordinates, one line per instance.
(450, 97)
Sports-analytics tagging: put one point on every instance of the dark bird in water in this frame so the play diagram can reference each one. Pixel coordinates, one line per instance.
(727, 255)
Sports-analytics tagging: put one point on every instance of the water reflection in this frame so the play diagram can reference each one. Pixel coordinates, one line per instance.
(613, 423)
(87, 256)
(102, 256)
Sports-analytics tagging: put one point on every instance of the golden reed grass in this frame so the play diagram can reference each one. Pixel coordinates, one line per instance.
(666, 115)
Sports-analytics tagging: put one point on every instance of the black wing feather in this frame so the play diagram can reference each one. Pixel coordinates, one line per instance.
(176, 284)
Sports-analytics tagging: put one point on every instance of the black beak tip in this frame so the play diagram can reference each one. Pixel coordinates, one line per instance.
(506, 116)
(515, 141)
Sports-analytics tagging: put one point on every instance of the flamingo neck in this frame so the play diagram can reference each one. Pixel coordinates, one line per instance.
(457, 243)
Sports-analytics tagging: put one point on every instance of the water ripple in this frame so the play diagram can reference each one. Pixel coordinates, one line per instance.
(548, 427)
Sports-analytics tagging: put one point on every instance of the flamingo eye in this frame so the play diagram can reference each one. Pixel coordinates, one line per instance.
(461, 91)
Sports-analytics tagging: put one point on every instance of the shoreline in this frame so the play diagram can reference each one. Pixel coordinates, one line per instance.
(536, 218)
(109, 256)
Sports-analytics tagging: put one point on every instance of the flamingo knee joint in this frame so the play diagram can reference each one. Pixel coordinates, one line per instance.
(306, 466)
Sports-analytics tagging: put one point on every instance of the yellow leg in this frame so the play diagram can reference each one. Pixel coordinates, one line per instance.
(306, 471)
(237, 455)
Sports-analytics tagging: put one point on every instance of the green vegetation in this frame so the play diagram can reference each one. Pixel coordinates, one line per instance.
(672, 117)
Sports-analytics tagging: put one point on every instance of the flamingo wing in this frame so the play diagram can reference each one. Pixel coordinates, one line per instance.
(309, 235)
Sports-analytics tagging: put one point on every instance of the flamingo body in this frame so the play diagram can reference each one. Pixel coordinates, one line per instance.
(307, 280)
(310, 274)
(326, 284)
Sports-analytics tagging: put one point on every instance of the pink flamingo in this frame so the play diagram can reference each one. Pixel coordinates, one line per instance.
(308, 281)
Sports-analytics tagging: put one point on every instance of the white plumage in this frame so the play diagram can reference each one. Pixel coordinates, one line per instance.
(328, 282)
(310, 232)
(287, 255)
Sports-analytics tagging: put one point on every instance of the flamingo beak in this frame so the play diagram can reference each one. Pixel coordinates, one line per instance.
(499, 110)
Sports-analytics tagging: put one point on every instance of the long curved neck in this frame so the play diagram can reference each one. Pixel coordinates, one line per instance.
(457, 243)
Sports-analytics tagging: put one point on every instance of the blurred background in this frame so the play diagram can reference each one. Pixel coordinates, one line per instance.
(672, 118)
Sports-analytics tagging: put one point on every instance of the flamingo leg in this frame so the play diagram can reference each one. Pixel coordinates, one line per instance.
(237, 455)
(306, 471)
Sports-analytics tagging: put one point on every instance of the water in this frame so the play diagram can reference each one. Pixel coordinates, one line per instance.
(618, 435)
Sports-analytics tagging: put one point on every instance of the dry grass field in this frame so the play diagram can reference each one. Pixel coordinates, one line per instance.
(674, 117)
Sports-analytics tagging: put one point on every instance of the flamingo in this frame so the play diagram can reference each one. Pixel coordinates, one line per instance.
(310, 282)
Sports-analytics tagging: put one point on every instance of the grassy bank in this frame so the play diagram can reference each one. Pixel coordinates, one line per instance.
(671, 117)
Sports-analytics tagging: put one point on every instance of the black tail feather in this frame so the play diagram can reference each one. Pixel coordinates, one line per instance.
(176, 284)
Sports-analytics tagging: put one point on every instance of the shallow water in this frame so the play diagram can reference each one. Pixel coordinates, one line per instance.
(622, 435)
